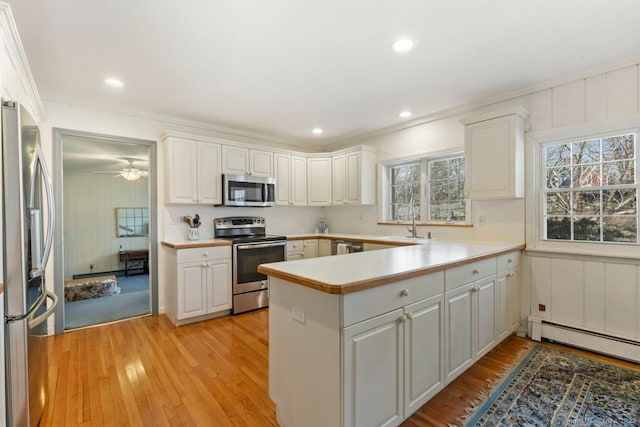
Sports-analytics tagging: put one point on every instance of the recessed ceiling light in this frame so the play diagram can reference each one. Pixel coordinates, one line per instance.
(405, 114)
(316, 131)
(403, 45)
(114, 83)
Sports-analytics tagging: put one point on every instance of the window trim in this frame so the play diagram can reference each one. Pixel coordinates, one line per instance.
(384, 182)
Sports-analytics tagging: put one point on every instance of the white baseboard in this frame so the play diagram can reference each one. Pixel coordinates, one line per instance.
(593, 341)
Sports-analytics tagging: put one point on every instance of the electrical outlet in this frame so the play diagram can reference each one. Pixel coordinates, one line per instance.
(299, 315)
(175, 220)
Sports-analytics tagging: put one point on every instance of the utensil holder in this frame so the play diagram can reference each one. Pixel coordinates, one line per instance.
(194, 234)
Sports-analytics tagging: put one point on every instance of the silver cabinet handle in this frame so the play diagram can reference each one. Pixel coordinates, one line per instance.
(509, 260)
(403, 318)
(475, 271)
(404, 293)
(410, 316)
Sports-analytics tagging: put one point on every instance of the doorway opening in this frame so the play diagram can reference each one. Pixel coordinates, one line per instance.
(105, 258)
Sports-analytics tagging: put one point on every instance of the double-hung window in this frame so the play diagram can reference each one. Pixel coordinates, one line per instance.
(590, 191)
(431, 188)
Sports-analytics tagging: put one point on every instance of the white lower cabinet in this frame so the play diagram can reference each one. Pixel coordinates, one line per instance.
(199, 284)
(471, 332)
(324, 247)
(508, 294)
(375, 356)
(393, 363)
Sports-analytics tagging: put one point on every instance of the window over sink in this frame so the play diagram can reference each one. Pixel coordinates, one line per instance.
(429, 187)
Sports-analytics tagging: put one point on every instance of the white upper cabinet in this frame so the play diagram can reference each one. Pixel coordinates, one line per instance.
(291, 179)
(494, 152)
(235, 160)
(353, 178)
(193, 171)
(246, 161)
(318, 179)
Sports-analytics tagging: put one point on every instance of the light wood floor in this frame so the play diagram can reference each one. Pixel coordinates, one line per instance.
(146, 372)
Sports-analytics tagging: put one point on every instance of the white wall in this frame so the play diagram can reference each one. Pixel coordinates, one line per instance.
(281, 220)
(89, 221)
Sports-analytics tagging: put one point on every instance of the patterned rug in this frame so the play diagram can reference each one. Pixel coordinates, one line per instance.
(556, 388)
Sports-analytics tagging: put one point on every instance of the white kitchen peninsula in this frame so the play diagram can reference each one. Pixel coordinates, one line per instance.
(367, 338)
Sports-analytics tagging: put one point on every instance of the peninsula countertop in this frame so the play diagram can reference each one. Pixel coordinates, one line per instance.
(353, 272)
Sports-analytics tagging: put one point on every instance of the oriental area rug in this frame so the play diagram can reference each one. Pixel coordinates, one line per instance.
(556, 388)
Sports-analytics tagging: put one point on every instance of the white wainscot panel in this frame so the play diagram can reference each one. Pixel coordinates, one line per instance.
(594, 293)
(541, 287)
(596, 98)
(622, 92)
(569, 104)
(540, 115)
(621, 300)
(567, 291)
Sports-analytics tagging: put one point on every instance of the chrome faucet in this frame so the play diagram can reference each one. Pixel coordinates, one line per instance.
(412, 229)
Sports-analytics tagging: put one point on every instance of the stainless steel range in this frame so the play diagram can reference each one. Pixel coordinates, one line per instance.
(251, 247)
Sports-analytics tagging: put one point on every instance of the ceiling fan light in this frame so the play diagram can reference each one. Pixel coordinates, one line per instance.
(131, 174)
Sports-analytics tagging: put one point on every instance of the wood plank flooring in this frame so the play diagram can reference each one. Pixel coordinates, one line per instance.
(146, 372)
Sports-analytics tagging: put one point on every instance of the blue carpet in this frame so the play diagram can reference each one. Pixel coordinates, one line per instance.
(133, 301)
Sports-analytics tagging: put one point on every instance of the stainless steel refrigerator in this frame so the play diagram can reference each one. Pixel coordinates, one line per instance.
(26, 185)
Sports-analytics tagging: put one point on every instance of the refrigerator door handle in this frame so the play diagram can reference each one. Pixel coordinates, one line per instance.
(42, 263)
(44, 316)
(16, 317)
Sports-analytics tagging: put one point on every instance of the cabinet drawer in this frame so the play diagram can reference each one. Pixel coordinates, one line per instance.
(295, 246)
(362, 305)
(508, 261)
(468, 273)
(200, 254)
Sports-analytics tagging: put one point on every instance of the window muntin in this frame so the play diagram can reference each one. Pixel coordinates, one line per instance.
(432, 186)
(591, 192)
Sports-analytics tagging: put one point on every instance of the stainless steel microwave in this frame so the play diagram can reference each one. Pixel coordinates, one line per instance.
(248, 190)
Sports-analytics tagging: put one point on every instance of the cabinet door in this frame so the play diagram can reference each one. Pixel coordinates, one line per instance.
(218, 285)
(182, 161)
(310, 248)
(423, 352)
(209, 177)
(353, 178)
(235, 160)
(298, 181)
(503, 307)
(373, 358)
(339, 170)
(318, 175)
(494, 151)
(514, 298)
(260, 163)
(283, 179)
(192, 290)
(485, 322)
(324, 247)
(459, 330)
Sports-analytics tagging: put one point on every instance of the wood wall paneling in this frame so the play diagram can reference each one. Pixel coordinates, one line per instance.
(569, 104)
(540, 279)
(541, 110)
(89, 221)
(621, 289)
(594, 295)
(567, 291)
(596, 98)
(622, 92)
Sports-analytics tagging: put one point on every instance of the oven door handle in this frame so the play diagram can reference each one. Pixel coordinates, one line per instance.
(261, 245)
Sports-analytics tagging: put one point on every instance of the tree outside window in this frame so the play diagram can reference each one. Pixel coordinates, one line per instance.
(591, 190)
(433, 187)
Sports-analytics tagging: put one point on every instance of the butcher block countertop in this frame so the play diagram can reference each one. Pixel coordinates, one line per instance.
(342, 274)
(186, 244)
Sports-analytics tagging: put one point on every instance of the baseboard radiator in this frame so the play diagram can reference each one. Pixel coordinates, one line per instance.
(594, 341)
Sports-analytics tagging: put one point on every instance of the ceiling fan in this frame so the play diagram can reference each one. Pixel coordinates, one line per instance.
(129, 172)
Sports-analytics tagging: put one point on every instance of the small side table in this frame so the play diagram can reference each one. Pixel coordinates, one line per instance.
(135, 256)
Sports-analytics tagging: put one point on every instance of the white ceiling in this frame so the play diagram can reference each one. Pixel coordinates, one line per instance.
(100, 156)
(281, 67)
